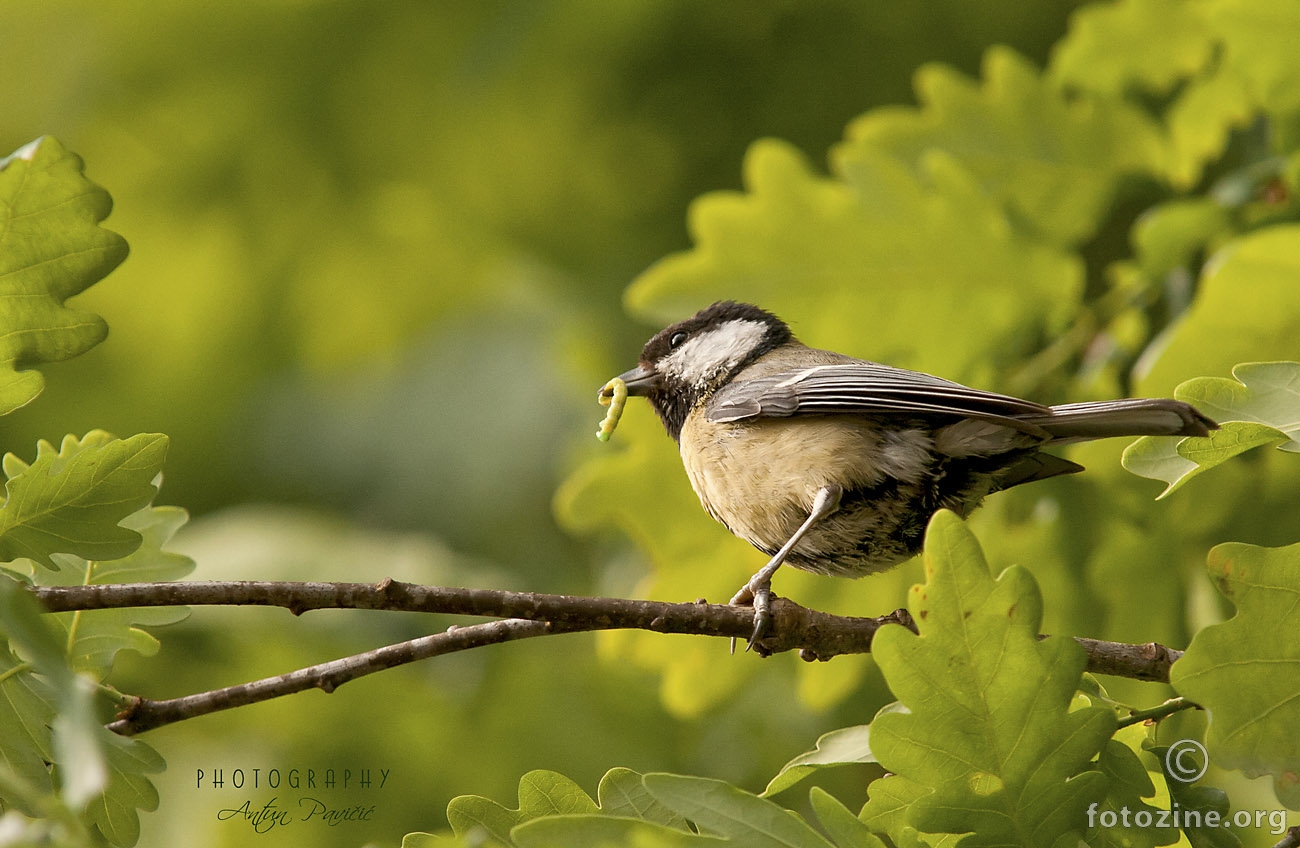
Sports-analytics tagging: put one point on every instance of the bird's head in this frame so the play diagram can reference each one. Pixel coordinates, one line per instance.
(687, 362)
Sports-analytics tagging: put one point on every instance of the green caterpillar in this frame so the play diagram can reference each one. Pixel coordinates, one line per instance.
(614, 395)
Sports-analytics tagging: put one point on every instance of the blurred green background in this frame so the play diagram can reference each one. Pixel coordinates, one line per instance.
(378, 259)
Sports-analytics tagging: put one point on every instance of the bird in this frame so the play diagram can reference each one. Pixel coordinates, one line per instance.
(835, 465)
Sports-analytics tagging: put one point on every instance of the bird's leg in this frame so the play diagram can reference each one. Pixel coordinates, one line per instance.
(759, 588)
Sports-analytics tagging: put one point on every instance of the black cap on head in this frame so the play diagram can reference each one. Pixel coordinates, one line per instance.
(718, 313)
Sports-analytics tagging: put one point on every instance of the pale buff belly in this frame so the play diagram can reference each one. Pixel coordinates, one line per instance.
(759, 479)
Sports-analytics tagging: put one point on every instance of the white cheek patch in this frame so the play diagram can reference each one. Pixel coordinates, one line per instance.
(703, 357)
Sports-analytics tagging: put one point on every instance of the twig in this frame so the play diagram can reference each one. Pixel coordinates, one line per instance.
(1159, 711)
(144, 714)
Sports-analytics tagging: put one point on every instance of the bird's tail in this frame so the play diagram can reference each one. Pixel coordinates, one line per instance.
(1133, 417)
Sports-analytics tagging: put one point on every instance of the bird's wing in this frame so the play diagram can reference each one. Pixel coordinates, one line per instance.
(865, 388)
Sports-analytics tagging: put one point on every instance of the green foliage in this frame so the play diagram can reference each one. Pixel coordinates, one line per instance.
(1247, 309)
(841, 825)
(89, 499)
(745, 819)
(1128, 785)
(988, 732)
(1244, 670)
(115, 813)
(93, 638)
(51, 248)
(554, 811)
(845, 745)
(592, 832)
(72, 501)
(627, 810)
(1261, 406)
(923, 239)
(30, 701)
(541, 793)
(1202, 800)
(1057, 161)
(1217, 64)
(623, 793)
(52, 721)
(1146, 44)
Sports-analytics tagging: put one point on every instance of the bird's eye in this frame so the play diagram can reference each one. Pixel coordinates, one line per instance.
(677, 339)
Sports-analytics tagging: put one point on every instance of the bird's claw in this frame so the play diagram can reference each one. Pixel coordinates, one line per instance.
(760, 597)
(762, 615)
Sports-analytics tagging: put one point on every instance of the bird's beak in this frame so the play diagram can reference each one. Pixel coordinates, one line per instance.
(640, 382)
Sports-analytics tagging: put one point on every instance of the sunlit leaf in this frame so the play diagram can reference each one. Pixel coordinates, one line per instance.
(1257, 49)
(72, 501)
(622, 793)
(1201, 120)
(836, 748)
(1196, 801)
(553, 810)
(1247, 309)
(1163, 46)
(1169, 235)
(891, 238)
(1245, 671)
(1261, 392)
(52, 724)
(1176, 461)
(94, 637)
(72, 733)
(989, 733)
(1128, 785)
(845, 829)
(116, 814)
(1154, 44)
(1261, 406)
(717, 807)
(890, 800)
(541, 793)
(570, 831)
(51, 248)
(28, 703)
(1056, 159)
(1151, 45)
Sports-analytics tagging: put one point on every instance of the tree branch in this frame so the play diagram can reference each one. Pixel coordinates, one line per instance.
(815, 635)
(1150, 661)
(145, 714)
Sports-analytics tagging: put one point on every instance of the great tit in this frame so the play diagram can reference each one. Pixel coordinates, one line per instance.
(834, 464)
